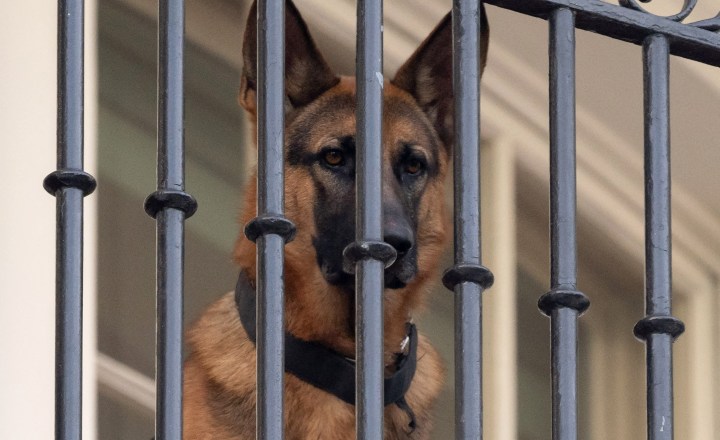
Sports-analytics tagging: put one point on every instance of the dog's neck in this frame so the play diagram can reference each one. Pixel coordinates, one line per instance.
(326, 314)
(317, 311)
(245, 298)
(326, 369)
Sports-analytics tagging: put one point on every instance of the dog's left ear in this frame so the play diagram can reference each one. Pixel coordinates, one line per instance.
(427, 75)
(307, 74)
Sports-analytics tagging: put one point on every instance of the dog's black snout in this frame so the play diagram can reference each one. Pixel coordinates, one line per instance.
(400, 238)
(397, 231)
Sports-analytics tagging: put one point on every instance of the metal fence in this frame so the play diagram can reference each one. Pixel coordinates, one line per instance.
(170, 205)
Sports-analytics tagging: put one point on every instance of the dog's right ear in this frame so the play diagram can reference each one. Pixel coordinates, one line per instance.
(307, 74)
(427, 75)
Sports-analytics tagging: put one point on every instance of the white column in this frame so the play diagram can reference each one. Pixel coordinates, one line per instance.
(500, 418)
(91, 229)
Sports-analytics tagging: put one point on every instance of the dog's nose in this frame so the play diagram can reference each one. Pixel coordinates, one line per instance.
(399, 237)
(396, 225)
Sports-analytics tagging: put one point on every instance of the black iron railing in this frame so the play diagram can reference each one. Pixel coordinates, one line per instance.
(368, 220)
(467, 278)
(270, 230)
(69, 184)
(170, 205)
(563, 303)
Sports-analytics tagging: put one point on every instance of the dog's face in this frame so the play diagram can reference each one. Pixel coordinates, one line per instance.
(320, 147)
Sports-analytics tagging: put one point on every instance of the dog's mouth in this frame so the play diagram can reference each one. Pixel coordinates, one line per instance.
(393, 281)
(397, 276)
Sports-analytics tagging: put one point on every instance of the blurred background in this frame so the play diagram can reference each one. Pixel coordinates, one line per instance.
(120, 150)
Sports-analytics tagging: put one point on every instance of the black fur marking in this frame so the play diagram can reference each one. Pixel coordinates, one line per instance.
(334, 205)
(297, 157)
(334, 213)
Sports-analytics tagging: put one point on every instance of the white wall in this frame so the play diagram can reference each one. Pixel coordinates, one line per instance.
(28, 33)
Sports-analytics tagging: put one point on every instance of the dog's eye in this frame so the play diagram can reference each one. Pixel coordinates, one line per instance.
(414, 166)
(334, 158)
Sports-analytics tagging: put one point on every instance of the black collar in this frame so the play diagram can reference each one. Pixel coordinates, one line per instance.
(325, 368)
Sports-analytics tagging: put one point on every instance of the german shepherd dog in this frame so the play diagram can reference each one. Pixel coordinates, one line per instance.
(220, 374)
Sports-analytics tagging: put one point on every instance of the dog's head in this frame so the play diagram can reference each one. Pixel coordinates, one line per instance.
(320, 151)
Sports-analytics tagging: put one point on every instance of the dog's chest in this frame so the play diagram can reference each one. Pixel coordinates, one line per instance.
(220, 390)
(315, 414)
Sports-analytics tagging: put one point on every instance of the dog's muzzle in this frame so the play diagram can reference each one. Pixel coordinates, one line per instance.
(396, 253)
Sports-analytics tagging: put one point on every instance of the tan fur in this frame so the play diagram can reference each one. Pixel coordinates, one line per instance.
(220, 389)
(220, 373)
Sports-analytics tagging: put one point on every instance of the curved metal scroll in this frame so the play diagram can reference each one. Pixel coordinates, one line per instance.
(687, 8)
(711, 24)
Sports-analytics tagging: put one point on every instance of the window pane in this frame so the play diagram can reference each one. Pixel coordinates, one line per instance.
(127, 175)
(120, 420)
(534, 380)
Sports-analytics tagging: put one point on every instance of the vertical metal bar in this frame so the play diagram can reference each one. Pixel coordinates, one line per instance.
(69, 184)
(170, 228)
(170, 205)
(370, 272)
(68, 348)
(270, 284)
(658, 328)
(658, 243)
(563, 238)
(563, 303)
(467, 278)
